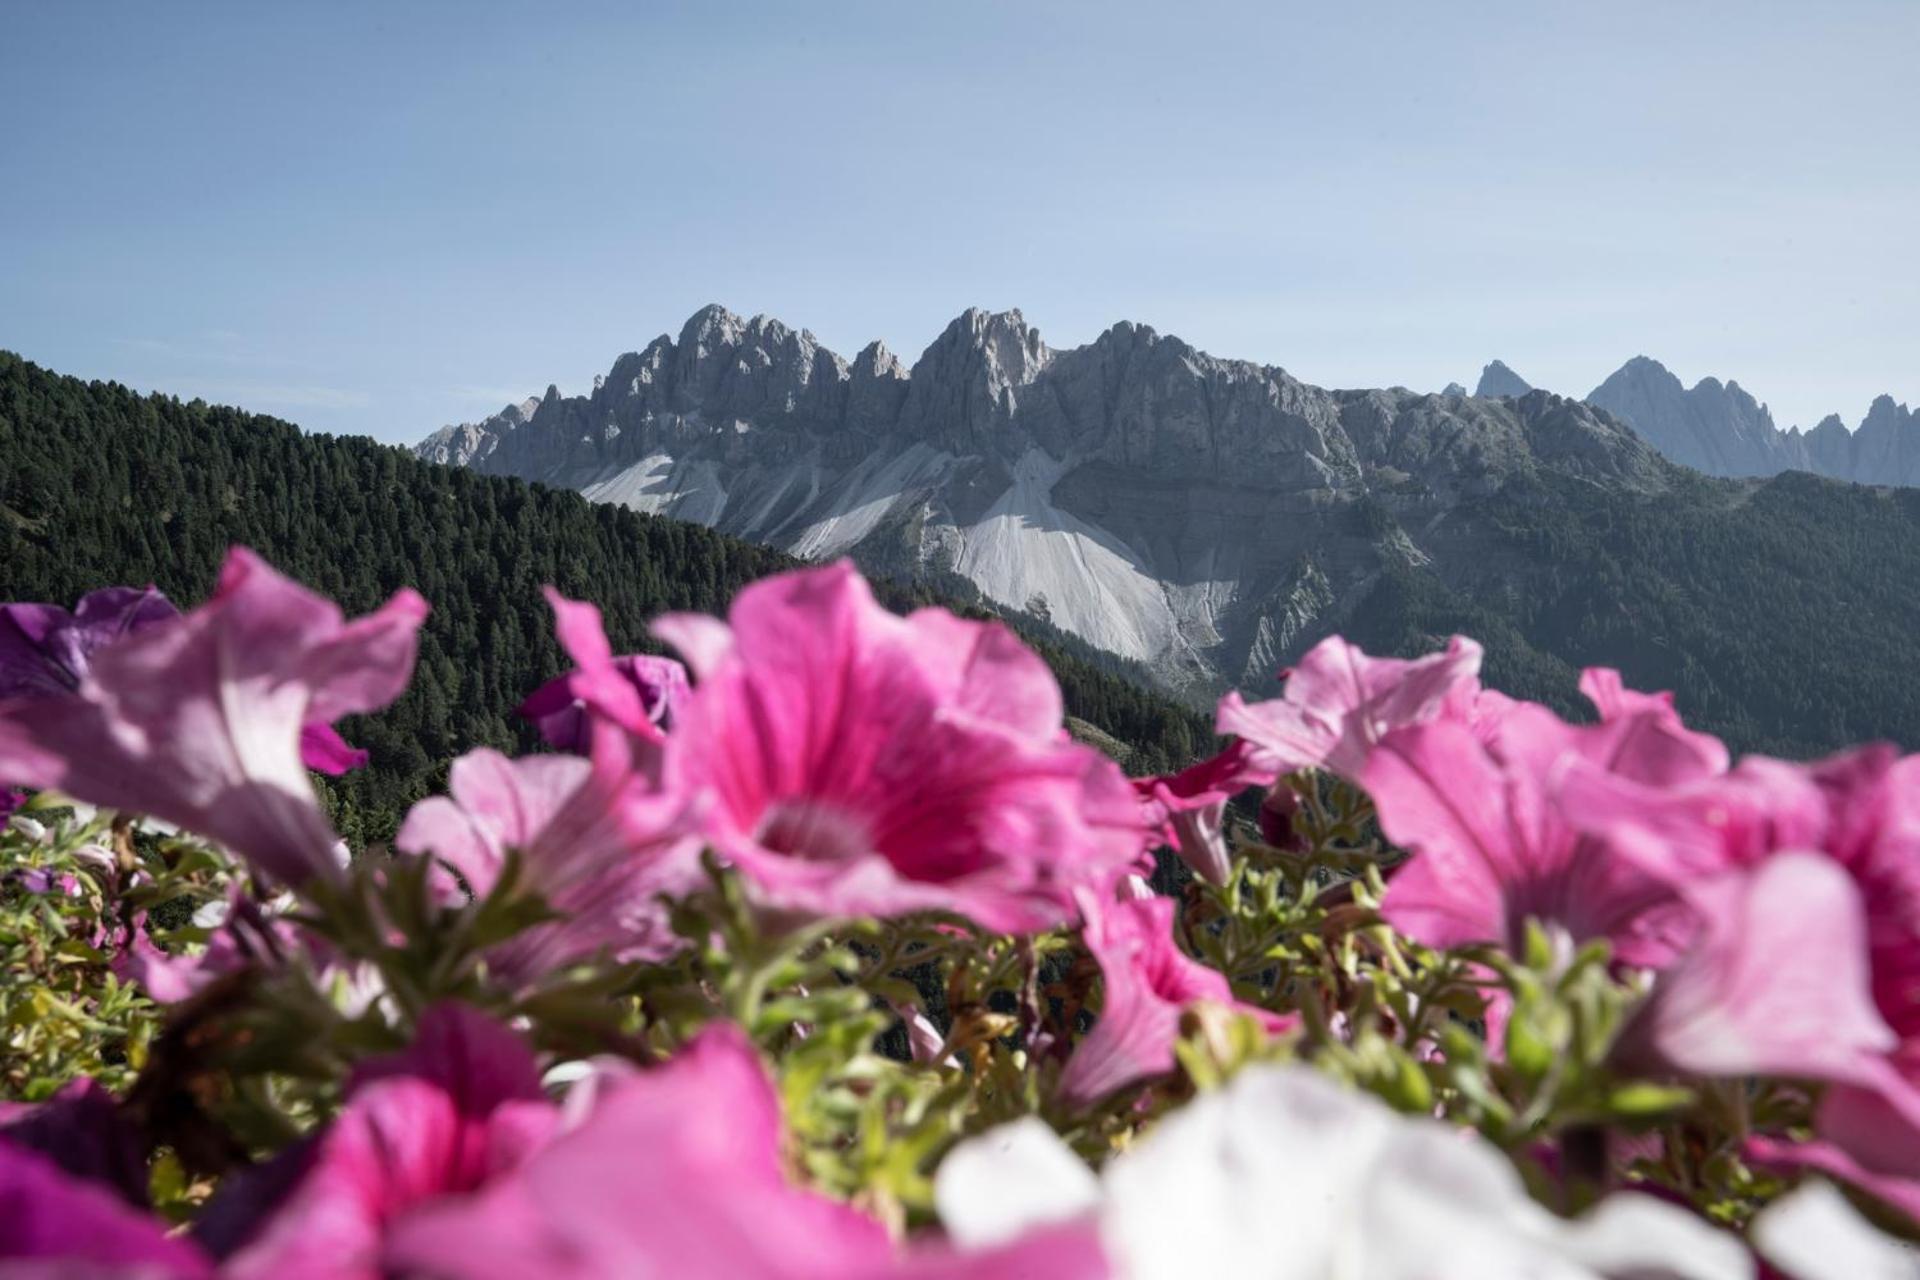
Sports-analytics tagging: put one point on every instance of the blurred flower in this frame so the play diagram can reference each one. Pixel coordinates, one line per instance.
(243, 932)
(593, 841)
(1339, 703)
(1812, 1233)
(681, 1171)
(1279, 808)
(674, 1171)
(1149, 983)
(1188, 809)
(323, 750)
(639, 692)
(1284, 1173)
(198, 721)
(1859, 813)
(53, 1224)
(1776, 984)
(1492, 848)
(924, 1040)
(456, 1111)
(80, 1129)
(46, 651)
(861, 763)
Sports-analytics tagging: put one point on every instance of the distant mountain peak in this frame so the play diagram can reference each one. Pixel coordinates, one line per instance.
(1498, 380)
(1096, 479)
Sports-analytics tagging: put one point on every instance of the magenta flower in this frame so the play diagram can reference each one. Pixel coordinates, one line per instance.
(639, 692)
(457, 1111)
(46, 652)
(198, 721)
(675, 1171)
(1860, 813)
(1493, 848)
(1188, 809)
(80, 1129)
(1777, 982)
(859, 763)
(1149, 983)
(323, 750)
(1702, 828)
(1861, 809)
(1339, 703)
(52, 1224)
(594, 842)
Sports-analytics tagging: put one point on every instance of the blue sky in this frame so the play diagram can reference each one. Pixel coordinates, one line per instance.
(379, 218)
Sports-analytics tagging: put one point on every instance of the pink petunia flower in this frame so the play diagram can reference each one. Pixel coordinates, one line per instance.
(860, 763)
(1149, 983)
(1777, 982)
(198, 721)
(593, 840)
(1492, 847)
(639, 692)
(53, 1224)
(80, 1128)
(1340, 702)
(674, 1171)
(681, 1171)
(457, 1111)
(1188, 809)
(244, 932)
(46, 651)
(1857, 816)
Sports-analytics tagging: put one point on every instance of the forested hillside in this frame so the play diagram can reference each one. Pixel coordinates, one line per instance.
(99, 485)
(1781, 612)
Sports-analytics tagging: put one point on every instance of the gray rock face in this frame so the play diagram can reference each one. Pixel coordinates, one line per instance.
(1209, 517)
(469, 443)
(1716, 428)
(1498, 380)
(1885, 450)
(1720, 429)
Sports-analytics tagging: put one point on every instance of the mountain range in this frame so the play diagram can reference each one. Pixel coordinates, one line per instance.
(1203, 516)
(1209, 519)
(1777, 610)
(1720, 429)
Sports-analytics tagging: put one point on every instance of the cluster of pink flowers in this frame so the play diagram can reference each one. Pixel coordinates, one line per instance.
(846, 763)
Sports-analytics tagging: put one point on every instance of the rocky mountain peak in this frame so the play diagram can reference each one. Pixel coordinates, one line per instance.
(876, 361)
(1498, 380)
(1141, 493)
(1714, 427)
(967, 385)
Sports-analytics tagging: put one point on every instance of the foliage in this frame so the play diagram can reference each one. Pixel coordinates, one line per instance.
(1775, 610)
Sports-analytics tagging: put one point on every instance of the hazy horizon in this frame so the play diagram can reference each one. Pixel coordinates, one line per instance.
(378, 221)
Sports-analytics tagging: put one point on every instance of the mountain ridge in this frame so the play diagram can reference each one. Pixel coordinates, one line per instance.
(1142, 494)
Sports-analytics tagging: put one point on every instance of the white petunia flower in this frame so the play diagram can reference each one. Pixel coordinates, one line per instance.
(1286, 1175)
(1814, 1234)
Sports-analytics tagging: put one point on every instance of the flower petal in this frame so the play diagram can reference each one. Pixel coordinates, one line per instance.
(198, 721)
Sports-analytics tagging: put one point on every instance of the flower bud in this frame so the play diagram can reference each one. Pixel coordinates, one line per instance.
(1277, 812)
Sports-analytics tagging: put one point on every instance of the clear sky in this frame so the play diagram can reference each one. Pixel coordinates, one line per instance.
(378, 218)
